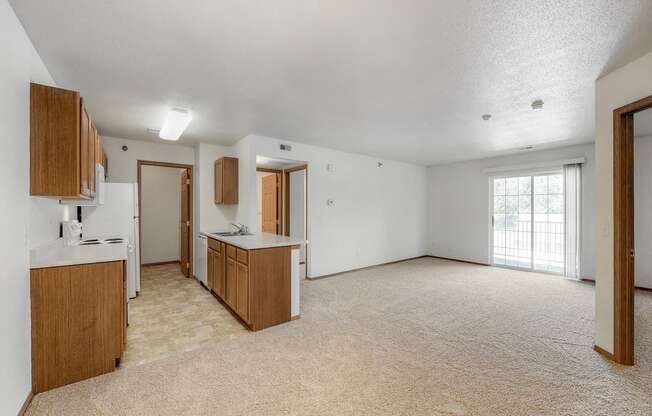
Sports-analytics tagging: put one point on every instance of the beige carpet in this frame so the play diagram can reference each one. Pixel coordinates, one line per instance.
(173, 314)
(425, 337)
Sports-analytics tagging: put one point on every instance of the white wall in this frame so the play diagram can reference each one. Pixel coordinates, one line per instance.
(459, 205)
(123, 166)
(160, 214)
(620, 87)
(212, 217)
(379, 214)
(20, 65)
(643, 211)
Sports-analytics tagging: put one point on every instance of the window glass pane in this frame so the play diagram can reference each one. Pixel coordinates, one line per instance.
(511, 204)
(499, 186)
(541, 185)
(512, 186)
(525, 185)
(556, 204)
(525, 204)
(540, 203)
(499, 221)
(499, 204)
(511, 223)
(555, 184)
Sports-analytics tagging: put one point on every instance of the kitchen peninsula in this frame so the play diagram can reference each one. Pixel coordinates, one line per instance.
(256, 276)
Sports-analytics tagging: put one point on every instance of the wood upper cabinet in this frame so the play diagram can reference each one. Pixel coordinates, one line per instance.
(64, 144)
(84, 145)
(226, 180)
(92, 153)
(79, 322)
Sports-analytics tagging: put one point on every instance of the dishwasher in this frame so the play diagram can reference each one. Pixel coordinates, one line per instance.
(202, 260)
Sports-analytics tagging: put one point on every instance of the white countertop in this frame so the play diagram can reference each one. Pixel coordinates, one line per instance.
(56, 254)
(256, 241)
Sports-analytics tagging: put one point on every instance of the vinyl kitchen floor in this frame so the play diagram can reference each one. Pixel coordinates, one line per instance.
(173, 314)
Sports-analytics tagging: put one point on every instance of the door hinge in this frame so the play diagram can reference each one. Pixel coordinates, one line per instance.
(631, 253)
(187, 223)
(187, 181)
(187, 265)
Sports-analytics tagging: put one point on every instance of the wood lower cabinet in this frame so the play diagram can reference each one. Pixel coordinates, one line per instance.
(254, 284)
(79, 322)
(242, 291)
(231, 292)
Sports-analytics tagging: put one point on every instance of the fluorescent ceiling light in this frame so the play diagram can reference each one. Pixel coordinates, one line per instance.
(175, 123)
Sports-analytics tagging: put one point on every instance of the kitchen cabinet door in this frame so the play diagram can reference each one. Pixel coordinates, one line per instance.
(210, 269)
(220, 278)
(92, 142)
(226, 180)
(242, 296)
(84, 139)
(231, 283)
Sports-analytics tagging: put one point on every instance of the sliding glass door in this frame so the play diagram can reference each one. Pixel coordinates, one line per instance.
(528, 222)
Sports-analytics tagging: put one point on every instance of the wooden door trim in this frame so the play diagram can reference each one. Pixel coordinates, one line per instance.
(268, 170)
(623, 206)
(191, 198)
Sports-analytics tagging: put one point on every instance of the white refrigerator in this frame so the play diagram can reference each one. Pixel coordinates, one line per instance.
(118, 217)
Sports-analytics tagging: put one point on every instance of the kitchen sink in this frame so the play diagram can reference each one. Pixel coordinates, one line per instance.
(230, 234)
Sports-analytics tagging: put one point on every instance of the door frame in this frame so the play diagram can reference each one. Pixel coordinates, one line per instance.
(284, 213)
(623, 214)
(191, 197)
(280, 217)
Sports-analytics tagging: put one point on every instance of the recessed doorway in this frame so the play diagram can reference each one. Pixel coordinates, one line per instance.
(624, 226)
(282, 189)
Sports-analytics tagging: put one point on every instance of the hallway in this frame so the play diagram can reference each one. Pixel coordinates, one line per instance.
(173, 314)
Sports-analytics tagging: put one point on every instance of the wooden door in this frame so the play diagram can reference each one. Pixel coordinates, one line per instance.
(230, 294)
(84, 129)
(184, 244)
(242, 296)
(270, 204)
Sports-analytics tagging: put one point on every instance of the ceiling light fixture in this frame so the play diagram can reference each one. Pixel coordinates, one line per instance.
(175, 123)
(486, 117)
(537, 105)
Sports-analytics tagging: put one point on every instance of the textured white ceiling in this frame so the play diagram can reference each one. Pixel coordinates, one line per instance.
(406, 80)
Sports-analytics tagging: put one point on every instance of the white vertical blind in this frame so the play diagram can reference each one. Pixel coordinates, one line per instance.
(572, 220)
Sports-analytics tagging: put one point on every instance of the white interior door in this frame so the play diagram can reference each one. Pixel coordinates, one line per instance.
(528, 222)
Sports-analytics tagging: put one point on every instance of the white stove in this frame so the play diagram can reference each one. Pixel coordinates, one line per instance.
(97, 241)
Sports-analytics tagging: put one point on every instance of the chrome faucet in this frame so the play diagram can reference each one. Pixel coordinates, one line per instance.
(242, 229)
